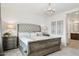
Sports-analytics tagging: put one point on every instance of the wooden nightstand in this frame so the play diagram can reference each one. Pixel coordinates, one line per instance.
(9, 42)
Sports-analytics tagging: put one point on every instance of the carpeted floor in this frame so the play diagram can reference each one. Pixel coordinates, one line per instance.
(64, 52)
(13, 52)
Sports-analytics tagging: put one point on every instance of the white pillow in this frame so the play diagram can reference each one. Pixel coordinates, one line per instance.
(33, 34)
(24, 34)
(39, 34)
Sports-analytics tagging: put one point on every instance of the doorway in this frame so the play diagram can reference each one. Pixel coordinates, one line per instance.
(73, 29)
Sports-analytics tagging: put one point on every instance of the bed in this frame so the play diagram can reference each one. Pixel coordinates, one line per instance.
(33, 43)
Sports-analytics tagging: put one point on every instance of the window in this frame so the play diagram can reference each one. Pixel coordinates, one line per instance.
(53, 27)
(57, 27)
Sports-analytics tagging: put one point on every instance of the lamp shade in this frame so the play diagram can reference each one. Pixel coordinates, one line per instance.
(10, 26)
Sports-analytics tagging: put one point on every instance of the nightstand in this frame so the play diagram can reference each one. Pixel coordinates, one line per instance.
(9, 42)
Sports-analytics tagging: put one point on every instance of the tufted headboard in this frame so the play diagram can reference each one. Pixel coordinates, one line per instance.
(28, 28)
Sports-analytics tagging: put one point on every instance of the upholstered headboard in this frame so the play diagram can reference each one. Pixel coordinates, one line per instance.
(28, 28)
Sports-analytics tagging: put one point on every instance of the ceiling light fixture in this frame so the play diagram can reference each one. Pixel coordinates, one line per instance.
(50, 11)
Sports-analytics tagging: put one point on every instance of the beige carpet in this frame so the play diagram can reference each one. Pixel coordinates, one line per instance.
(63, 52)
(13, 52)
(66, 52)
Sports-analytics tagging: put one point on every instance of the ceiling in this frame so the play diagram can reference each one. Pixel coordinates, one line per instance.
(38, 7)
(74, 16)
(27, 10)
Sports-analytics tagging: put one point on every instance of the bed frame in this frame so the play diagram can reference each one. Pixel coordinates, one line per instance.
(39, 48)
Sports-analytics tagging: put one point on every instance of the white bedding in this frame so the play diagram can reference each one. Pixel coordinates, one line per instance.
(23, 43)
(24, 40)
(23, 37)
(38, 38)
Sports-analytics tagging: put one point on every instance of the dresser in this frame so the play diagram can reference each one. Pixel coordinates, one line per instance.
(9, 42)
(75, 36)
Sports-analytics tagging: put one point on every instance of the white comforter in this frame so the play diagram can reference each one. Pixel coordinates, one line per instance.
(38, 38)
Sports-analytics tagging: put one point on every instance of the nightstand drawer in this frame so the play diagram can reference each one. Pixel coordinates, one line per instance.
(9, 42)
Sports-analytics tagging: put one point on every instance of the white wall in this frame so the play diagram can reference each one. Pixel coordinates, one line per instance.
(21, 13)
(57, 17)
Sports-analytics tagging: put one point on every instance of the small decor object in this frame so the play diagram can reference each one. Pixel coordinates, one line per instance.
(45, 34)
(7, 34)
(44, 28)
